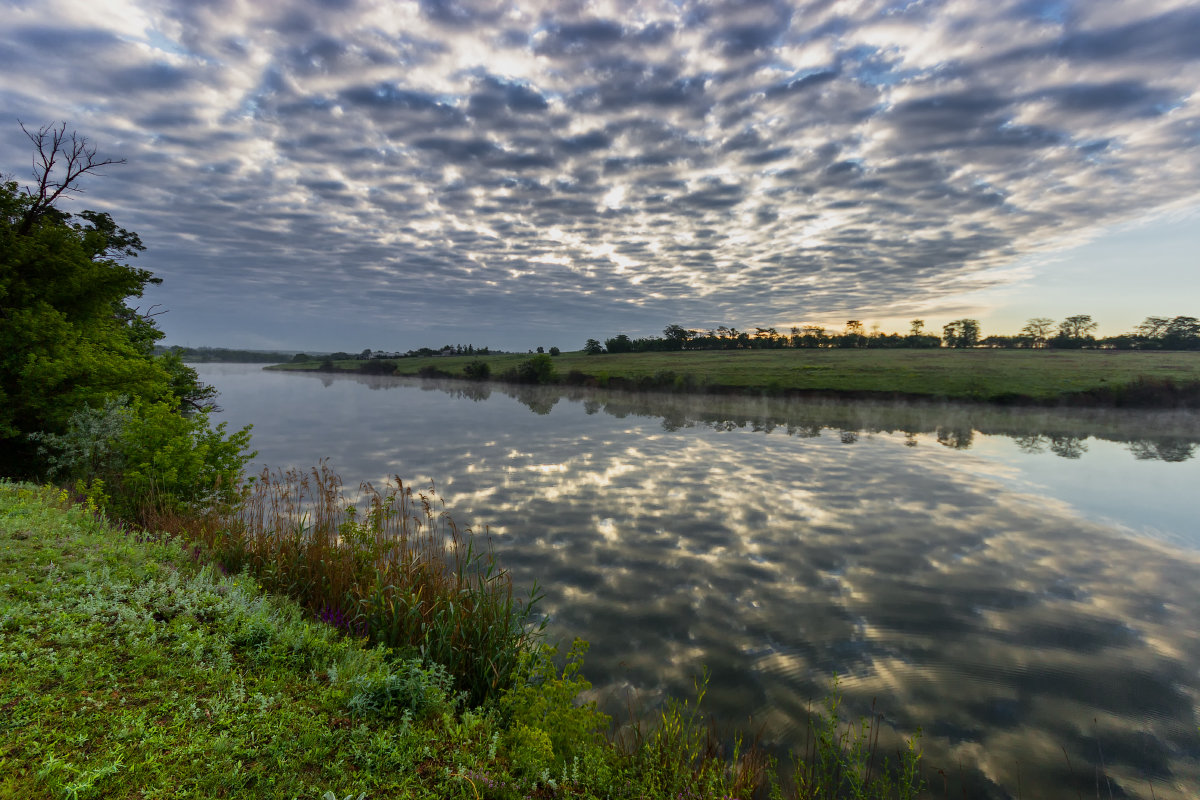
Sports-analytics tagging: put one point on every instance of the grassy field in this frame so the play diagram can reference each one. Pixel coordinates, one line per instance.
(989, 375)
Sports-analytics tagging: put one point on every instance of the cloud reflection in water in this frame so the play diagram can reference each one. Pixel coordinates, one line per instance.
(779, 545)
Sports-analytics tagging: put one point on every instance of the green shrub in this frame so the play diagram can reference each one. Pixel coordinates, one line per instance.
(478, 370)
(408, 689)
(548, 701)
(539, 369)
(150, 455)
(529, 750)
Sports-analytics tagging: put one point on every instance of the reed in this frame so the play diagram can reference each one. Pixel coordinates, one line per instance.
(388, 564)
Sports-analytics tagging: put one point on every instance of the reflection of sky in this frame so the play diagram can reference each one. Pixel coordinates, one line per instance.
(965, 589)
(1147, 496)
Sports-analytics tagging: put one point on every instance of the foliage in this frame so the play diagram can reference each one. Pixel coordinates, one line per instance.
(409, 689)
(478, 370)
(546, 700)
(539, 370)
(593, 347)
(391, 568)
(69, 340)
(148, 454)
(843, 761)
(961, 333)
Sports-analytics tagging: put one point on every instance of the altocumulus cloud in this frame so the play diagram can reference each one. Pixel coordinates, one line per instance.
(391, 169)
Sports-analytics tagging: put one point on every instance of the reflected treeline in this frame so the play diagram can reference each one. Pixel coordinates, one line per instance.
(1151, 435)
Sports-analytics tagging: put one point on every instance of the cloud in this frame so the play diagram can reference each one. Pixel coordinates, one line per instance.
(742, 162)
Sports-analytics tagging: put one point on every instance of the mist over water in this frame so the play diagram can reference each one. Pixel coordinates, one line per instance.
(1015, 582)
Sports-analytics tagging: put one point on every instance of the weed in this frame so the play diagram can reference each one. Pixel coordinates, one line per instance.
(392, 567)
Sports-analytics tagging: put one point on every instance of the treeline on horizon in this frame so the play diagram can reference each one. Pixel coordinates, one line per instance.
(1040, 333)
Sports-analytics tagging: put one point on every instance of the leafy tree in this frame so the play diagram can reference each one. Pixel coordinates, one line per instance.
(554, 351)
(620, 343)
(1182, 333)
(1079, 326)
(69, 339)
(593, 347)
(961, 333)
(1038, 330)
(676, 336)
(854, 335)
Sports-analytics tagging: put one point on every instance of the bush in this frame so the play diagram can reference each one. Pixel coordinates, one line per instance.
(410, 689)
(539, 369)
(148, 454)
(478, 370)
(545, 700)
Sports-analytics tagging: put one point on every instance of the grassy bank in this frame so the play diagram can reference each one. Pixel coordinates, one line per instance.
(134, 666)
(1081, 377)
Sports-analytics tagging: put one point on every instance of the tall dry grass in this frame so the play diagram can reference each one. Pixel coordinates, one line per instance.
(386, 563)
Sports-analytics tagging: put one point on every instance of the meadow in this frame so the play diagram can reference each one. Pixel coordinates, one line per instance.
(1084, 377)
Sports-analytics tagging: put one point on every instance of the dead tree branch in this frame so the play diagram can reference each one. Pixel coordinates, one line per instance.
(59, 161)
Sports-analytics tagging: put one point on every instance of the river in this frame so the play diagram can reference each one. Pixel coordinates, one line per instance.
(1022, 585)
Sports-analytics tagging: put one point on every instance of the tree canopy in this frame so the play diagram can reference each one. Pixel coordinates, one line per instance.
(70, 337)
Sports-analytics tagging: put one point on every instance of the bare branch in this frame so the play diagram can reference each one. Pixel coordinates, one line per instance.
(150, 312)
(60, 160)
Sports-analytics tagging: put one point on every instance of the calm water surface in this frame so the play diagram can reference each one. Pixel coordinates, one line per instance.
(1022, 585)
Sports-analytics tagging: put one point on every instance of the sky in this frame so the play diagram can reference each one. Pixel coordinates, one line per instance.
(343, 174)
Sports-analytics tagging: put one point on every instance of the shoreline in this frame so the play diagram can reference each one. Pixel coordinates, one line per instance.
(1081, 379)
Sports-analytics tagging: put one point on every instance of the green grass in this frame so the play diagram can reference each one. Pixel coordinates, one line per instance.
(128, 670)
(1087, 376)
(130, 667)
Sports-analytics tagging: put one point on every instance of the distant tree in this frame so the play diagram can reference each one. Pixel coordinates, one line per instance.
(676, 336)
(541, 349)
(619, 344)
(1038, 330)
(853, 335)
(555, 351)
(961, 333)
(1183, 333)
(593, 347)
(1177, 333)
(1078, 326)
(1153, 327)
(916, 327)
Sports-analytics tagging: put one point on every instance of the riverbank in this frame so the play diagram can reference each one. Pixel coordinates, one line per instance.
(1031, 377)
(133, 666)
